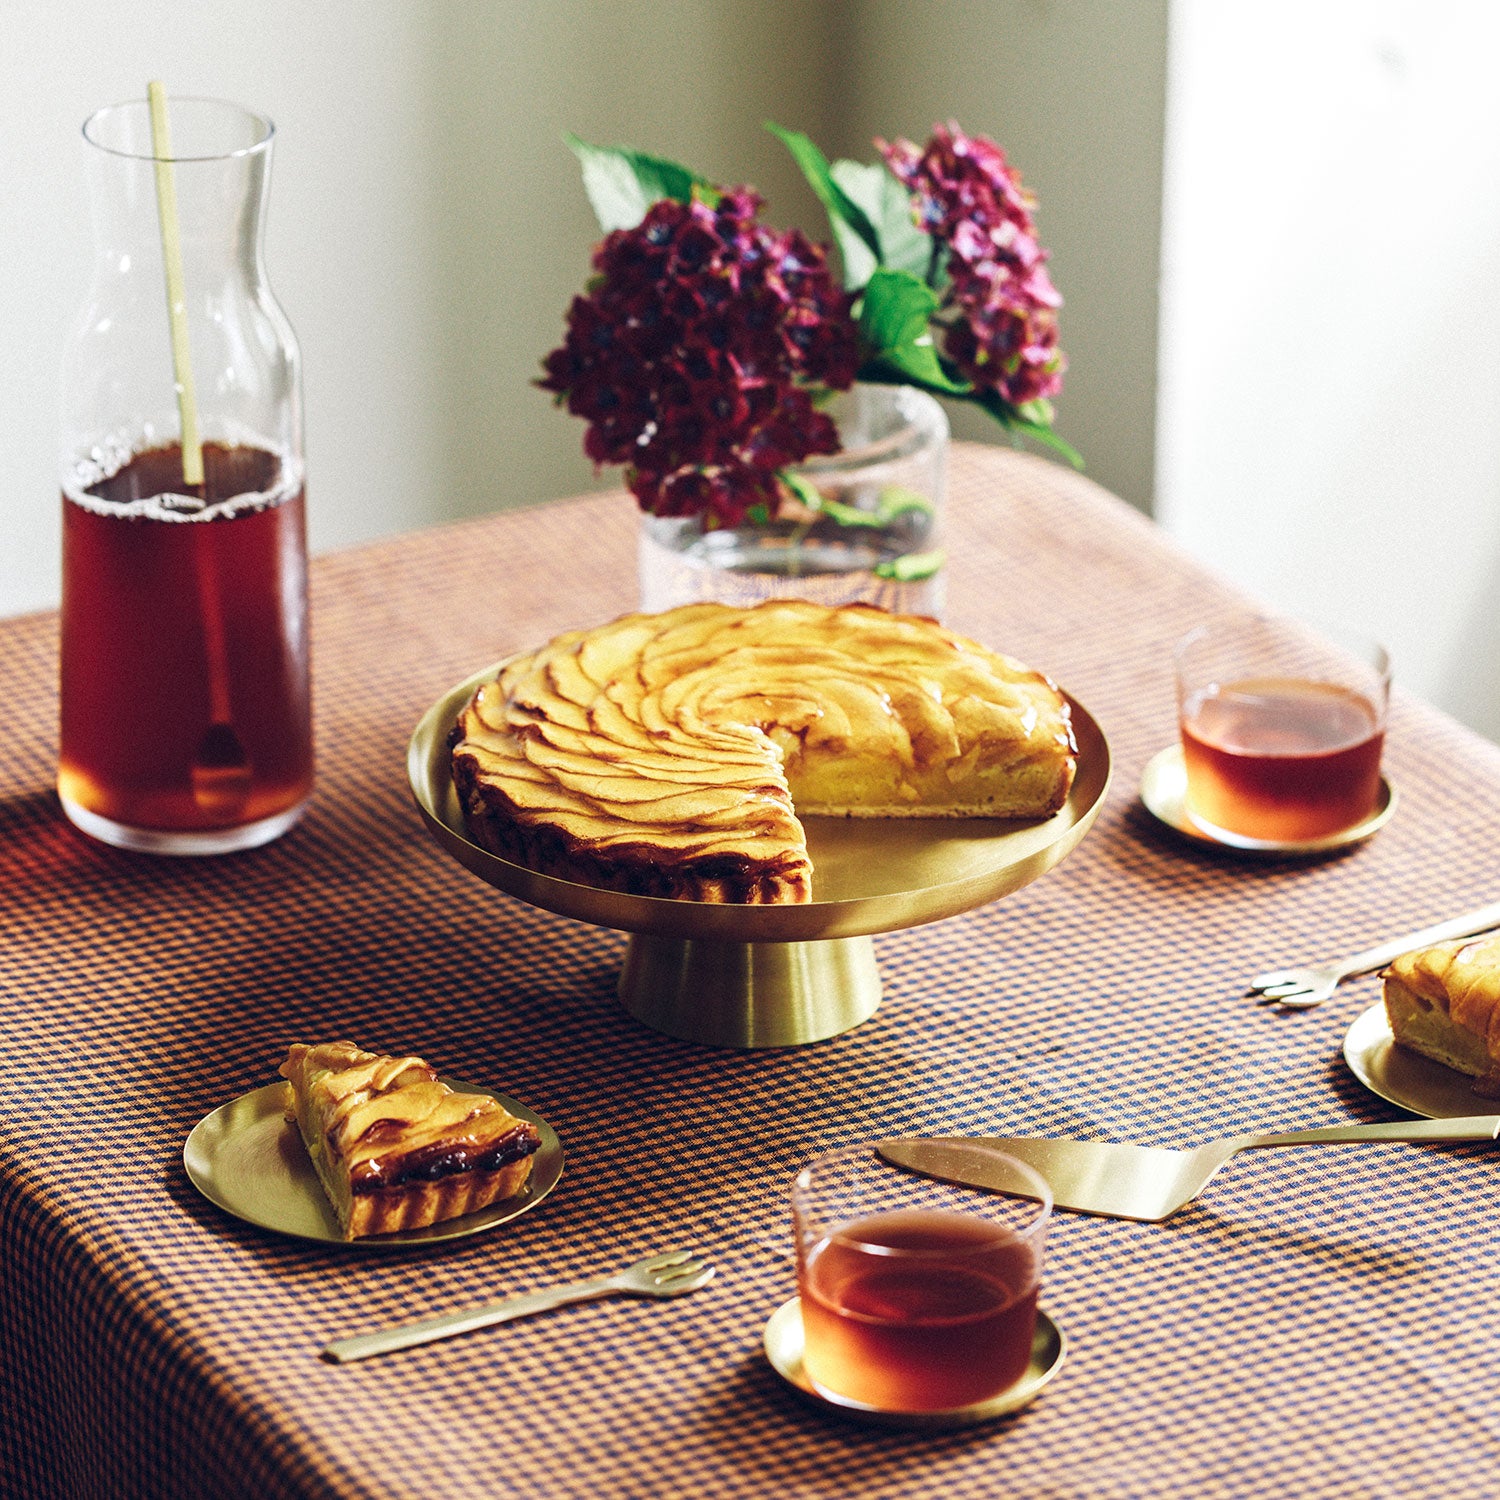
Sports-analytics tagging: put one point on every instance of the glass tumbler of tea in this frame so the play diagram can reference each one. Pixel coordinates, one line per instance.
(1282, 728)
(917, 1295)
(186, 714)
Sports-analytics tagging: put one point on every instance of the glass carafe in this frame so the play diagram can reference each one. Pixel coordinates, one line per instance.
(186, 715)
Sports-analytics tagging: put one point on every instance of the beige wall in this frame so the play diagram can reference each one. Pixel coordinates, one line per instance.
(1075, 93)
(427, 225)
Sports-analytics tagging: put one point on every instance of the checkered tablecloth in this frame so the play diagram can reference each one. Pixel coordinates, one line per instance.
(1323, 1323)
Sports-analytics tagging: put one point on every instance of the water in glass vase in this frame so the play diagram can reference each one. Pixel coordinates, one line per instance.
(874, 535)
(680, 563)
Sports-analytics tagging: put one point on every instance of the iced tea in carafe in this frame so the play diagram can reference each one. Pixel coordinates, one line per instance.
(186, 717)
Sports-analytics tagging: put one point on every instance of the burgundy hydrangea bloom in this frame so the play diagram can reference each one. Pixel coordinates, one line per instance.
(695, 355)
(1003, 330)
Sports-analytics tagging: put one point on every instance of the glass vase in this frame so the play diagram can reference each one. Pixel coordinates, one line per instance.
(186, 715)
(876, 537)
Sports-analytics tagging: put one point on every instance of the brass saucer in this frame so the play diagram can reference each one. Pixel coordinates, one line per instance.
(1406, 1079)
(772, 976)
(248, 1158)
(1164, 795)
(783, 1346)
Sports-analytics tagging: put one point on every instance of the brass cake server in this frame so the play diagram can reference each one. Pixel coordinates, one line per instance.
(1148, 1183)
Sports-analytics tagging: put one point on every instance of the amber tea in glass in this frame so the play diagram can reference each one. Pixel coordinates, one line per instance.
(916, 1295)
(1282, 729)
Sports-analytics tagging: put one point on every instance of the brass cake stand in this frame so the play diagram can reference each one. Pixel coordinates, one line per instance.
(775, 976)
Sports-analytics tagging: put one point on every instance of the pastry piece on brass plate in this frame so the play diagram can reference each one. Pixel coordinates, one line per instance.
(1403, 1077)
(669, 1275)
(1151, 1183)
(1443, 1002)
(396, 1148)
(1301, 989)
(248, 1158)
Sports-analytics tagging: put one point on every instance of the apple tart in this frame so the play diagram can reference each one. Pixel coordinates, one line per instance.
(670, 754)
(1444, 1002)
(396, 1148)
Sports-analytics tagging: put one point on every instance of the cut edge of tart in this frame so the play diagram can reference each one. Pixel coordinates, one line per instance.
(393, 1146)
(1443, 1002)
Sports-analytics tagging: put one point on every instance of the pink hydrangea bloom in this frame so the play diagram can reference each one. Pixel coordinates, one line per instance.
(1001, 307)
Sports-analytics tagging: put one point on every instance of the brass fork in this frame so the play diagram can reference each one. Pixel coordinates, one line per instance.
(668, 1275)
(1301, 989)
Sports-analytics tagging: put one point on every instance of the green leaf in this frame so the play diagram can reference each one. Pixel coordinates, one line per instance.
(847, 515)
(896, 500)
(895, 310)
(804, 489)
(913, 567)
(918, 364)
(622, 184)
(855, 235)
(887, 204)
(894, 323)
(1023, 419)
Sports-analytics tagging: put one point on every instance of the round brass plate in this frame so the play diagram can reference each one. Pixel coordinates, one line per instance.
(1406, 1079)
(869, 874)
(783, 1346)
(248, 1158)
(1164, 794)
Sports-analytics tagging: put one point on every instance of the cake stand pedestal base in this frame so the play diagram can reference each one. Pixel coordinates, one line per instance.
(727, 994)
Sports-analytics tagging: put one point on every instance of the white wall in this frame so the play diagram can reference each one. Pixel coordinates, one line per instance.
(1329, 410)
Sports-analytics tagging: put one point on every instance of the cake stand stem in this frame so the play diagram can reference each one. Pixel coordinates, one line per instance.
(750, 994)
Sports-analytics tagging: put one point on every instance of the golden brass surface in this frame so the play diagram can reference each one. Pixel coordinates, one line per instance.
(248, 1158)
(1164, 795)
(1147, 1183)
(765, 994)
(783, 1346)
(704, 971)
(1406, 1079)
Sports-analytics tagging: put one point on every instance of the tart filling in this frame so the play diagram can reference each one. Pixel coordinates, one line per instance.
(393, 1146)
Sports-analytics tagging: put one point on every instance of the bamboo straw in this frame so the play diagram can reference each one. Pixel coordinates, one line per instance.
(171, 250)
(220, 770)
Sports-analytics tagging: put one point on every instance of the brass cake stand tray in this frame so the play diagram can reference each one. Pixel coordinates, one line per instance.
(775, 976)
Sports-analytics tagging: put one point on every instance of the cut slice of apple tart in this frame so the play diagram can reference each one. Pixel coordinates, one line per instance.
(396, 1148)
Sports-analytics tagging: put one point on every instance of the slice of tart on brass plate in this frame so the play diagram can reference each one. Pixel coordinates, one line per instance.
(394, 1147)
(1444, 1003)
